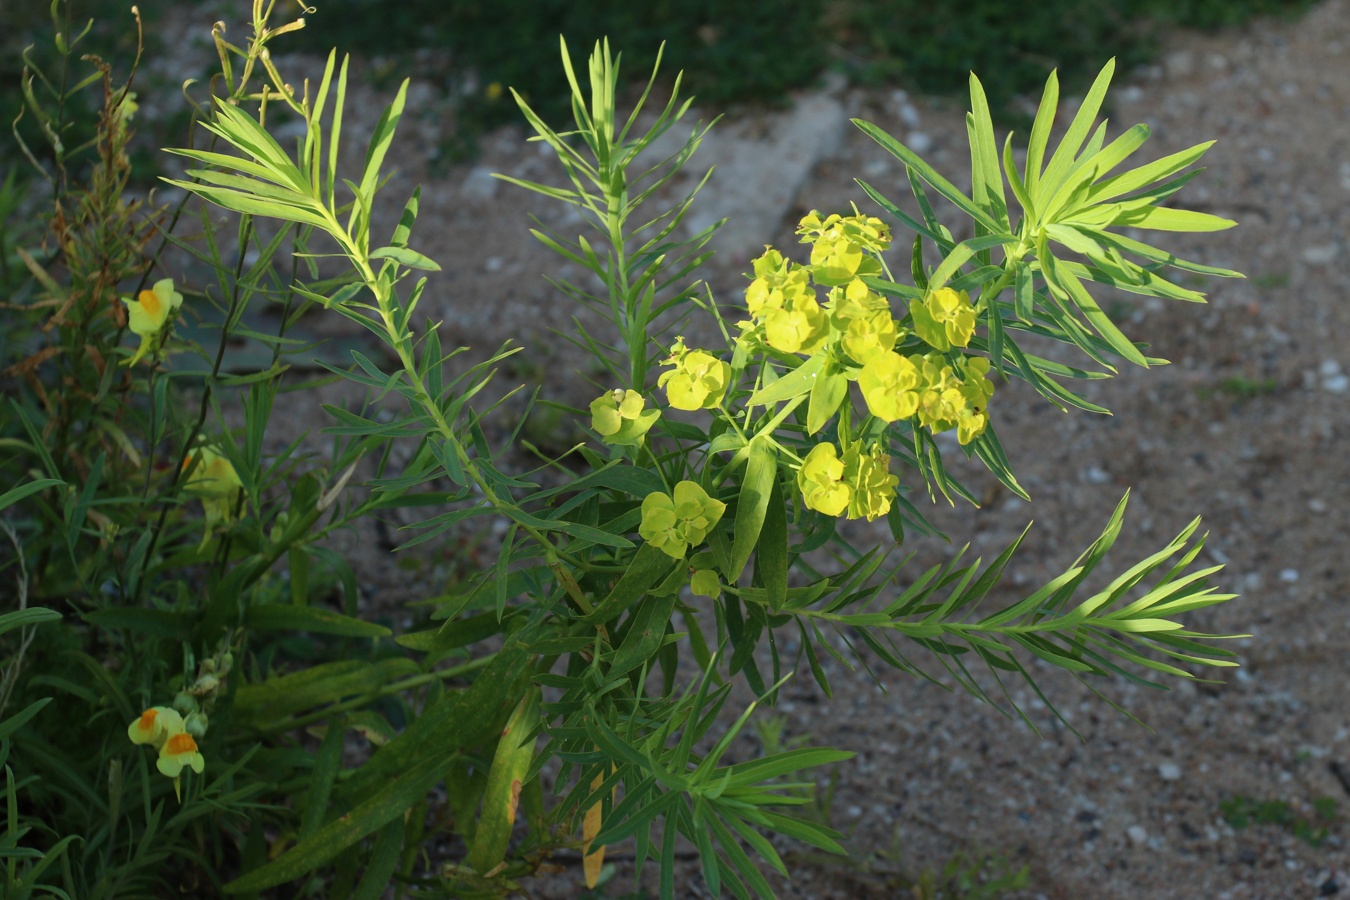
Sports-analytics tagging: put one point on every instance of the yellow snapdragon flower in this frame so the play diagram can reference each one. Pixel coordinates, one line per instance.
(216, 482)
(154, 726)
(179, 750)
(162, 728)
(149, 314)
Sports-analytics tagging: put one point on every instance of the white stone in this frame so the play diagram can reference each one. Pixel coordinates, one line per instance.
(479, 184)
(1169, 771)
(1289, 576)
(919, 142)
(1136, 834)
(1319, 254)
(1336, 384)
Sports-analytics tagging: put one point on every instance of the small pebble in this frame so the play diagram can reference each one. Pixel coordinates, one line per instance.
(1289, 576)
(1317, 505)
(1137, 834)
(919, 142)
(1097, 475)
(493, 263)
(1319, 254)
(1169, 771)
(479, 184)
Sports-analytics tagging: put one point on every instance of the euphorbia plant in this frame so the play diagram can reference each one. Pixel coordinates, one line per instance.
(684, 528)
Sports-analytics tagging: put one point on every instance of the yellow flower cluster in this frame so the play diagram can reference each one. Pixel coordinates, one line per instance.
(673, 524)
(698, 380)
(620, 419)
(944, 319)
(783, 303)
(859, 485)
(943, 396)
(858, 331)
(839, 245)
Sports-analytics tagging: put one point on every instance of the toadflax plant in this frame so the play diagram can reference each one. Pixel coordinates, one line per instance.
(693, 536)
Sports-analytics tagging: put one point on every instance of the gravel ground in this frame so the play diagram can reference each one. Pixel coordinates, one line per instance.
(1248, 428)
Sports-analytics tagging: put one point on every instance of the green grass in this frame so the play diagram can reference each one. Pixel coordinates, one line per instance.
(731, 52)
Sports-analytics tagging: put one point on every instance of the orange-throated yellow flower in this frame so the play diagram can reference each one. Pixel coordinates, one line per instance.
(154, 726)
(149, 314)
(216, 482)
(178, 751)
(162, 728)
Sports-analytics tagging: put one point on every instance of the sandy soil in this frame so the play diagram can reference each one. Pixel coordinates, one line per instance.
(1248, 428)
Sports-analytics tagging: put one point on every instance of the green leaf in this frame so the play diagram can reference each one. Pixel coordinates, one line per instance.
(771, 552)
(963, 252)
(1147, 174)
(1040, 133)
(1066, 154)
(379, 143)
(1165, 218)
(827, 393)
(265, 703)
(510, 763)
(645, 634)
(581, 532)
(794, 384)
(459, 720)
(406, 257)
(19, 719)
(1068, 284)
(289, 617)
(14, 495)
(327, 764)
(649, 567)
(384, 859)
(24, 618)
(761, 471)
(987, 180)
(394, 799)
(154, 622)
(928, 174)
